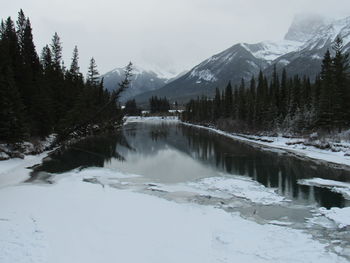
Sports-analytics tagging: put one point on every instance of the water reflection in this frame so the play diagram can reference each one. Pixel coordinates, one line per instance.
(93, 151)
(159, 132)
(173, 153)
(271, 169)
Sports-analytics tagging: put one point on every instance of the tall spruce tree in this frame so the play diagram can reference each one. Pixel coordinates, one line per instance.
(74, 66)
(228, 101)
(340, 67)
(325, 114)
(217, 105)
(56, 49)
(283, 94)
(92, 75)
(251, 103)
(21, 25)
(12, 113)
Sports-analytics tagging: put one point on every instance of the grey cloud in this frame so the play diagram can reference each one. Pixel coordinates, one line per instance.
(173, 35)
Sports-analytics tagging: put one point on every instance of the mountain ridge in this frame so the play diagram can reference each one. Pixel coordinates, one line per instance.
(143, 80)
(243, 60)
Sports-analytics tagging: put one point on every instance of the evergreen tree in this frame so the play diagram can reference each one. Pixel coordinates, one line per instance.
(228, 101)
(39, 96)
(251, 103)
(325, 114)
(283, 94)
(131, 108)
(74, 66)
(217, 105)
(340, 67)
(241, 102)
(260, 100)
(21, 26)
(159, 105)
(46, 59)
(12, 116)
(92, 77)
(56, 49)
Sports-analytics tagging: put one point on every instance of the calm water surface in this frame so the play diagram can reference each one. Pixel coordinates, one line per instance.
(175, 153)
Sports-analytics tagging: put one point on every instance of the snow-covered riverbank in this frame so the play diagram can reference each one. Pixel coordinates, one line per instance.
(16, 170)
(155, 119)
(33, 147)
(288, 145)
(76, 221)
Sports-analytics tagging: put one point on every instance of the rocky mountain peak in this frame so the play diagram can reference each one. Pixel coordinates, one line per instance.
(304, 27)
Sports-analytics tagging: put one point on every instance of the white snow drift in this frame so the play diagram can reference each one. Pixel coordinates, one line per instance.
(74, 221)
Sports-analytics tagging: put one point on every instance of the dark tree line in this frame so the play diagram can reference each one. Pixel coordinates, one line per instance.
(282, 103)
(159, 104)
(39, 95)
(131, 108)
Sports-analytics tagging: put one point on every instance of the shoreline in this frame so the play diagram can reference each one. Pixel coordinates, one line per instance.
(11, 167)
(16, 170)
(309, 152)
(336, 160)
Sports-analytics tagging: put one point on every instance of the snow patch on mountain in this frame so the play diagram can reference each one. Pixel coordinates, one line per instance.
(158, 73)
(253, 64)
(270, 51)
(284, 62)
(316, 57)
(205, 75)
(137, 70)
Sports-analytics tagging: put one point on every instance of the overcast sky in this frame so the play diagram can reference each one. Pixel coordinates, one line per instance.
(173, 35)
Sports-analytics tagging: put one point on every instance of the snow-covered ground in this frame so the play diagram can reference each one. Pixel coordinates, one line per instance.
(169, 119)
(76, 221)
(341, 216)
(226, 188)
(36, 146)
(16, 170)
(288, 145)
(240, 186)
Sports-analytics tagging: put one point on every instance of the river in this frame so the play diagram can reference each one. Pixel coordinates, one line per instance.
(188, 164)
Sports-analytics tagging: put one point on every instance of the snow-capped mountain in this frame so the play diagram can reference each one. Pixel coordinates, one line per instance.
(308, 58)
(143, 80)
(300, 52)
(304, 27)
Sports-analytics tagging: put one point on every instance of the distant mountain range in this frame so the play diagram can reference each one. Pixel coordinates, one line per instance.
(300, 52)
(143, 80)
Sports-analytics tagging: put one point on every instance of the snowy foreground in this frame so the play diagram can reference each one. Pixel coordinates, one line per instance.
(76, 221)
(15, 170)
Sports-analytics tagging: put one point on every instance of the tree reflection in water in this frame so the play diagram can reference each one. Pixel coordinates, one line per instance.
(90, 152)
(272, 169)
(140, 141)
